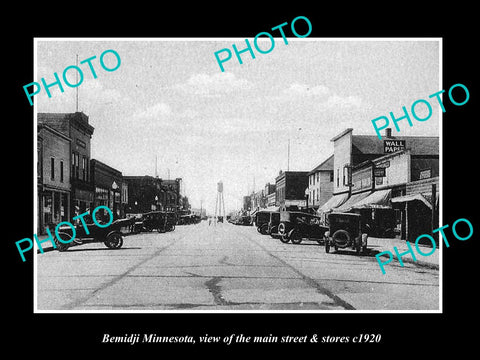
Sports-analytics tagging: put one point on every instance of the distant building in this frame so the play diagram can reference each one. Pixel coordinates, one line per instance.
(258, 200)
(246, 203)
(108, 187)
(148, 193)
(290, 189)
(320, 183)
(270, 194)
(170, 190)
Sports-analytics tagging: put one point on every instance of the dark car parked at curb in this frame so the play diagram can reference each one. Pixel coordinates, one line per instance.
(154, 220)
(110, 235)
(273, 225)
(263, 218)
(345, 230)
(295, 226)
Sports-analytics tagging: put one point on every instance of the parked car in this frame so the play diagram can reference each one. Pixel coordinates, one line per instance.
(295, 226)
(171, 220)
(154, 220)
(111, 235)
(262, 219)
(345, 230)
(273, 224)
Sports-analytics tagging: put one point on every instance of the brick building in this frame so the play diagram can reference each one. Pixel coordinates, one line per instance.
(290, 189)
(107, 182)
(53, 177)
(76, 127)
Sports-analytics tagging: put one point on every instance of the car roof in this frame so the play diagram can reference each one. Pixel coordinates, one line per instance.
(344, 214)
(302, 213)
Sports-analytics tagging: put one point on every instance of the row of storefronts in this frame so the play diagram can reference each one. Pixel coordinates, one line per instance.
(393, 183)
(70, 183)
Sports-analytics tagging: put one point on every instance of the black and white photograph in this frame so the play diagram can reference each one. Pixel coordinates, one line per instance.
(224, 180)
(255, 186)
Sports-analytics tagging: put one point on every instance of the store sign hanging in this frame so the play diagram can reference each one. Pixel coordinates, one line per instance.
(391, 146)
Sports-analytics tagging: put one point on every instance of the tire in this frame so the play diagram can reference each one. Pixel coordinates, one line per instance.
(60, 245)
(282, 234)
(295, 237)
(341, 237)
(264, 229)
(114, 241)
(358, 248)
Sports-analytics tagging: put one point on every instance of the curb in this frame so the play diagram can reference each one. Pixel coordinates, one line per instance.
(409, 260)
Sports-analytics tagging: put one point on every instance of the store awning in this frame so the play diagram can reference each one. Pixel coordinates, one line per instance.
(347, 206)
(334, 201)
(413, 197)
(379, 199)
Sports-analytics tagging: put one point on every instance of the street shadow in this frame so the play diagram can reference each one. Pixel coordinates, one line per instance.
(102, 249)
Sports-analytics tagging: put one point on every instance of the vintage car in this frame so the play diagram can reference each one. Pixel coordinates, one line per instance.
(273, 223)
(262, 220)
(171, 220)
(345, 230)
(295, 226)
(154, 220)
(110, 235)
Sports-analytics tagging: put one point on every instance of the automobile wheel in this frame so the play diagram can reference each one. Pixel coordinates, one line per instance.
(114, 241)
(284, 239)
(295, 237)
(264, 229)
(341, 237)
(358, 248)
(60, 246)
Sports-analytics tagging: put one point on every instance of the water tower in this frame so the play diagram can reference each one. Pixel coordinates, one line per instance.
(219, 204)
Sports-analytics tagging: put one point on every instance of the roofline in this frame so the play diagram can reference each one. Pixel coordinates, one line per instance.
(344, 132)
(319, 165)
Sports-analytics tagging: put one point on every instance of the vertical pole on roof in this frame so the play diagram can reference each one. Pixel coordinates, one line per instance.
(288, 156)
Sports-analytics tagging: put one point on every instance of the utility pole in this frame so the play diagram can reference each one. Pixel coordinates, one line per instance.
(76, 89)
(288, 156)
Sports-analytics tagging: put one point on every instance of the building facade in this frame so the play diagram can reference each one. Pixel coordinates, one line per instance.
(375, 179)
(53, 177)
(170, 194)
(107, 183)
(76, 127)
(148, 193)
(270, 194)
(290, 189)
(144, 194)
(320, 184)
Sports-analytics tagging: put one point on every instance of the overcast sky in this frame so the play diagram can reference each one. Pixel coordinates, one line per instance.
(169, 98)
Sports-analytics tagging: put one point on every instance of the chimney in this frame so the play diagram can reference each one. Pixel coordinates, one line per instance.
(388, 132)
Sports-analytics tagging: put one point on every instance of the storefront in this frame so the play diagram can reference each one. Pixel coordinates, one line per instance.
(420, 206)
(54, 206)
(107, 183)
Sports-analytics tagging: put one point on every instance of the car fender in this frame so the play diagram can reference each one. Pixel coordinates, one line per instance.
(290, 232)
(113, 232)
